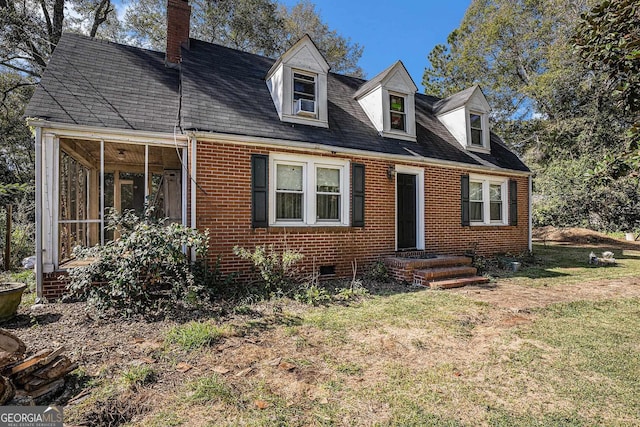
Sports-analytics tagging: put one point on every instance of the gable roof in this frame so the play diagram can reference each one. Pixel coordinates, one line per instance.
(98, 83)
(377, 80)
(455, 101)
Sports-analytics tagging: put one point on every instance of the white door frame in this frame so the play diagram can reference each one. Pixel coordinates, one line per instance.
(419, 173)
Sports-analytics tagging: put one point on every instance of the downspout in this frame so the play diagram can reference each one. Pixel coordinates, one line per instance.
(38, 236)
(530, 212)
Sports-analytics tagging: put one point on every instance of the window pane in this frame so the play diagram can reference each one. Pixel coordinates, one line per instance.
(475, 211)
(495, 192)
(476, 121)
(289, 178)
(327, 206)
(475, 191)
(397, 121)
(496, 211)
(328, 180)
(476, 137)
(289, 206)
(304, 87)
(397, 103)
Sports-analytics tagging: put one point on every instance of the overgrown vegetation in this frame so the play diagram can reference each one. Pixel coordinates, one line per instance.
(276, 271)
(142, 271)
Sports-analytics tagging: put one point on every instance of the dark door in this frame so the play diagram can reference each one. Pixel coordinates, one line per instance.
(406, 211)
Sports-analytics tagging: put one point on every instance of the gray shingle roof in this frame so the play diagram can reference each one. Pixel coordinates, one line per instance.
(454, 101)
(98, 83)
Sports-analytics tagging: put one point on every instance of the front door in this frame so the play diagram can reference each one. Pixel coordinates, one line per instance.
(406, 211)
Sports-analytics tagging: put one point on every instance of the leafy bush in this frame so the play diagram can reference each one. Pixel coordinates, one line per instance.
(378, 272)
(143, 268)
(277, 271)
(312, 295)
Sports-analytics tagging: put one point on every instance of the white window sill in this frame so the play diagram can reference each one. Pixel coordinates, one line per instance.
(479, 149)
(398, 135)
(490, 224)
(302, 120)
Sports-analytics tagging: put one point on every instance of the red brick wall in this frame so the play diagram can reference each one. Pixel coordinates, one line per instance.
(224, 173)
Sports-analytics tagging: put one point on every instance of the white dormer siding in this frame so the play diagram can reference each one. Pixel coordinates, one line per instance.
(375, 99)
(460, 112)
(302, 64)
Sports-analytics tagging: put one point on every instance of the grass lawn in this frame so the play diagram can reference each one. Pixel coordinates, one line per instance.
(405, 357)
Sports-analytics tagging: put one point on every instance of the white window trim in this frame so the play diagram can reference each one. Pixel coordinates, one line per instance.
(409, 133)
(486, 199)
(486, 135)
(419, 173)
(295, 71)
(309, 166)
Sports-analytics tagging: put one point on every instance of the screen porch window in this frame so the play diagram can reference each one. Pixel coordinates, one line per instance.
(289, 192)
(495, 191)
(475, 121)
(397, 112)
(476, 208)
(327, 194)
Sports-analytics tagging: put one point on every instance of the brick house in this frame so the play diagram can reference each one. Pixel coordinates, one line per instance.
(262, 151)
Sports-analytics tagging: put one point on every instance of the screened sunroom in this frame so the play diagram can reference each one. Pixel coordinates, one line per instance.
(88, 178)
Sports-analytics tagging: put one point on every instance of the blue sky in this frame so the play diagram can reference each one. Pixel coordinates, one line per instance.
(391, 30)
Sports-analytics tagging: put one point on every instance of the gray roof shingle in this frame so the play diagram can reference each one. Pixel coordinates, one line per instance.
(98, 83)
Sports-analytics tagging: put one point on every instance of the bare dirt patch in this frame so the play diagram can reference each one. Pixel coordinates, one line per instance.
(517, 299)
(577, 235)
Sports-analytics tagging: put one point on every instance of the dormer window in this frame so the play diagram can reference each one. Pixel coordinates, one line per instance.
(297, 82)
(475, 123)
(304, 94)
(466, 115)
(389, 102)
(398, 113)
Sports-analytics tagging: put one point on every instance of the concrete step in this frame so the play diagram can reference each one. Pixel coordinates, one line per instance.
(431, 274)
(457, 282)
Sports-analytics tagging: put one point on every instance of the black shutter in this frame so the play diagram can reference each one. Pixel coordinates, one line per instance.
(259, 191)
(464, 199)
(357, 195)
(513, 202)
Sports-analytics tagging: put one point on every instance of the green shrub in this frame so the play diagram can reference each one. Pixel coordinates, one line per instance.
(378, 272)
(312, 295)
(276, 271)
(143, 269)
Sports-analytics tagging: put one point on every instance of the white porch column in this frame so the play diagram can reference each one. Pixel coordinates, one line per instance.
(49, 191)
(38, 236)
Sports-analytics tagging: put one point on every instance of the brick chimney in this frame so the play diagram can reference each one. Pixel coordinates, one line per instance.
(178, 17)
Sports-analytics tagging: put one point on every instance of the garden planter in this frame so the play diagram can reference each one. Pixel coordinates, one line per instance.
(10, 297)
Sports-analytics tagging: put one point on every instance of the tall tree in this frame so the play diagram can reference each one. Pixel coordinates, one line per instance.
(548, 104)
(257, 26)
(608, 40)
(340, 52)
